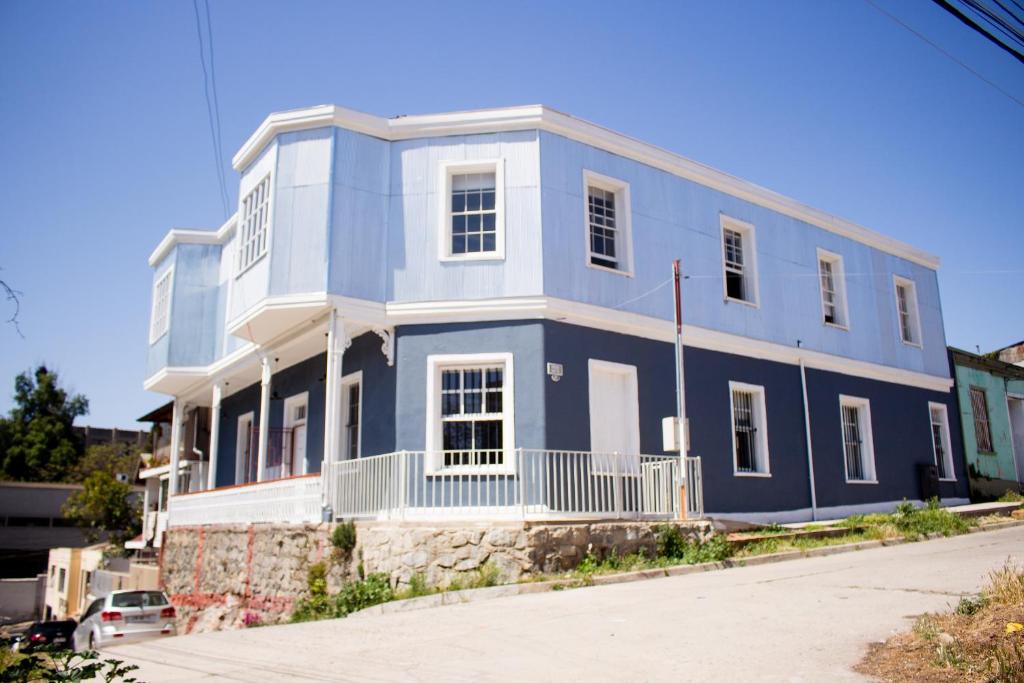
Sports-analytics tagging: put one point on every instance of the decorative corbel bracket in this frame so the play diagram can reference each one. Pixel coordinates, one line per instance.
(387, 334)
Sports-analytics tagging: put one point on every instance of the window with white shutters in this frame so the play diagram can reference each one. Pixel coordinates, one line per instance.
(253, 224)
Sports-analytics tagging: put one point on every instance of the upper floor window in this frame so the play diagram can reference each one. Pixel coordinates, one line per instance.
(609, 239)
(739, 259)
(472, 414)
(832, 279)
(160, 316)
(858, 445)
(906, 310)
(940, 441)
(749, 430)
(252, 228)
(982, 429)
(473, 213)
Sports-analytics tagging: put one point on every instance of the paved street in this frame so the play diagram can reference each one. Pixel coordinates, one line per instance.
(807, 620)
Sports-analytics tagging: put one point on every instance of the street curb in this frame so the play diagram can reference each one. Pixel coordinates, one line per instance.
(470, 595)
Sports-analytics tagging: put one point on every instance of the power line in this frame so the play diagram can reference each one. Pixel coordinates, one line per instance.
(217, 159)
(216, 102)
(966, 20)
(943, 51)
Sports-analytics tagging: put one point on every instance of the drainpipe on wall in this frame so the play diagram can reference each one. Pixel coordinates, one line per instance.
(807, 434)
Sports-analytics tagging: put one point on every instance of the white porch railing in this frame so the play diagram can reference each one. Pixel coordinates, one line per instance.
(522, 484)
(293, 500)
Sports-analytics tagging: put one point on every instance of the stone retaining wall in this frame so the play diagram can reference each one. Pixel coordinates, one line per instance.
(231, 576)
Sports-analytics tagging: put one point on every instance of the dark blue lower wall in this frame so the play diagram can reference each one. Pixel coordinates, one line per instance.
(378, 419)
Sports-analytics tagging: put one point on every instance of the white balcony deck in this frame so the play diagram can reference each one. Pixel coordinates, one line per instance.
(293, 500)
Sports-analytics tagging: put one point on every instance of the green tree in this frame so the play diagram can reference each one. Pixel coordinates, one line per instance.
(37, 442)
(105, 507)
(113, 458)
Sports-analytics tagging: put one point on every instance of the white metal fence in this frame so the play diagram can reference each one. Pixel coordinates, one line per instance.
(293, 500)
(524, 484)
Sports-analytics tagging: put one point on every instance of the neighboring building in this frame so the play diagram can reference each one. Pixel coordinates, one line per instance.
(991, 396)
(93, 436)
(31, 523)
(68, 576)
(1014, 354)
(466, 314)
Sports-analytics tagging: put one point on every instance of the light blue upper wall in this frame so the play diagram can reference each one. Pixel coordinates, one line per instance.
(195, 312)
(415, 271)
(357, 241)
(298, 253)
(673, 217)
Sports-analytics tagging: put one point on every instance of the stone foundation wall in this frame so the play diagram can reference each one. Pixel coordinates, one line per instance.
(222, 577)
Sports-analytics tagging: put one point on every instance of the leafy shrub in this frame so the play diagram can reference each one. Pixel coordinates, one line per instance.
(970, 605)
(673, 545)
(417, 587)
(54, 664)
(318, 605)
(344, 537)
(373, 590)
(486, 576)
(931, 519)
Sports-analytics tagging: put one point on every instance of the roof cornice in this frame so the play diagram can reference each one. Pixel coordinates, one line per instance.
(544, 118)
(177, 236)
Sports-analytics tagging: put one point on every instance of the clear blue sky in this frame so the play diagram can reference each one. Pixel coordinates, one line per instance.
(106, 145)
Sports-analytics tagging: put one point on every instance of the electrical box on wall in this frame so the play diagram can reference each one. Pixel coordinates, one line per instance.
(673, 433)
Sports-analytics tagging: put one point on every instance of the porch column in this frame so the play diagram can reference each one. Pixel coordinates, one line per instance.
(261, 457)
(337, 342)
(176, 424)
(211, 476)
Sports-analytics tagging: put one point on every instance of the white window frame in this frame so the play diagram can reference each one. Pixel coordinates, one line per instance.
(623, 221)
(250, 418)
(346, 382)
(289, 421)
(839, 287)
(449, 169)
(157, 332)
(749, 235)
(760, 425)
(947, 445)
(242, 226)
(913, 310)
(435, 458)
(867, 438)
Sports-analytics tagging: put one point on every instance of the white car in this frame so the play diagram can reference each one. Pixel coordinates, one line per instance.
(123, 616)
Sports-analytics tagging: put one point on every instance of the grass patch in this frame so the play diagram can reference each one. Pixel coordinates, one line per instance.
(1011, 497)
(981, 640)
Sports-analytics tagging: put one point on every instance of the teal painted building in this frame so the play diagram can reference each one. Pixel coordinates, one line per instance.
(991, 399)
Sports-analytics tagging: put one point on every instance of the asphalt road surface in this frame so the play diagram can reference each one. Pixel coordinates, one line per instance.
(804, 620)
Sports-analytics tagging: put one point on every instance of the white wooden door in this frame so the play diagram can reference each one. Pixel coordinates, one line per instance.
(614, 412)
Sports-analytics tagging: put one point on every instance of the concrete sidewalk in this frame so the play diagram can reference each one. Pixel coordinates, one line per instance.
(807, 620)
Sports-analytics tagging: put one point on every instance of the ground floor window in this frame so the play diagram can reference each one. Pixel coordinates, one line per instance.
(351, 415)
(858, 449)
(749, 429)
(470, 400)
(245, 449)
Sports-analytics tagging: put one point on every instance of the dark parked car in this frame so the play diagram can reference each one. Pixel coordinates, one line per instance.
(56, 633)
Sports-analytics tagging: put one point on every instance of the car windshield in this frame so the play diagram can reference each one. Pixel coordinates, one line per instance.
(138, 599)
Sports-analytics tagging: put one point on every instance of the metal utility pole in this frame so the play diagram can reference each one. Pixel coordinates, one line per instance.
(680, 387)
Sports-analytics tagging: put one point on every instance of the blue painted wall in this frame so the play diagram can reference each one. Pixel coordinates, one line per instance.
(524, 339)
(378, 418)
(673, 217)
(231, 408)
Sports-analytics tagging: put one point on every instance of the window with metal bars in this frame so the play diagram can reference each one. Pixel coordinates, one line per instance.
(472, 415)
(982, 428)
(750, 442)
(160, 318)
(474, 213)
(252, 226)
(857, 448)
(603, 230)
(940, 441)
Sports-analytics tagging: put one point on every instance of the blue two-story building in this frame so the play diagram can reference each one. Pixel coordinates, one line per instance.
(470, 314)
